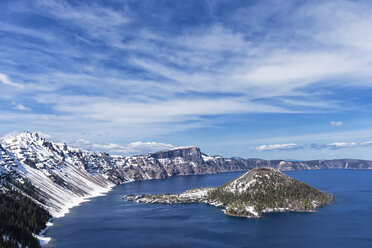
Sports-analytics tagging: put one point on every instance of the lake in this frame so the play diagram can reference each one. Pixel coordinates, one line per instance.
(109, 222)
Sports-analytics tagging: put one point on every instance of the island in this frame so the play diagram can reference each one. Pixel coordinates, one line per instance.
(258, 191)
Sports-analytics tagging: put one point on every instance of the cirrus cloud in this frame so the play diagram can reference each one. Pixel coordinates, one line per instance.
(130, 69)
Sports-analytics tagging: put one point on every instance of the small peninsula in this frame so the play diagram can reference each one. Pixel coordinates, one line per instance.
(258, 191)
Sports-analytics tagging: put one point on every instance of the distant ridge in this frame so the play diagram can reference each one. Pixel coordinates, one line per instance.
(62, 176)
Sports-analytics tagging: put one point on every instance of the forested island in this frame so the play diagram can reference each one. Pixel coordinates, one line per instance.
(252, 194)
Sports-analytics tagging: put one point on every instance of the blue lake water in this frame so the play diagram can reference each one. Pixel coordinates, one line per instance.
(109, 222)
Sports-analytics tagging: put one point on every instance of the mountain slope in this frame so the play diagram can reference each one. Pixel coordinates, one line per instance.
(62, 176)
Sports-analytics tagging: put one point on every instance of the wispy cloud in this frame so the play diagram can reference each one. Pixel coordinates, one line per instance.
(278, 147)
(331, 146)
(114, 67)
(96, 20)
(6, 80)
(366, 143)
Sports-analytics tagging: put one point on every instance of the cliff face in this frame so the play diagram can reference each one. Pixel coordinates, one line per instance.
(63, 176)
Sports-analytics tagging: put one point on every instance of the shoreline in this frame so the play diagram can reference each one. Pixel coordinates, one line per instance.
(43, 240)
(77, 201)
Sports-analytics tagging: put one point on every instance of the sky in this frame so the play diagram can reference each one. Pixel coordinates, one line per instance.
(273, 79)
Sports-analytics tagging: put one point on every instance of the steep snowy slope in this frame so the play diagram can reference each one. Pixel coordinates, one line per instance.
(63, 176)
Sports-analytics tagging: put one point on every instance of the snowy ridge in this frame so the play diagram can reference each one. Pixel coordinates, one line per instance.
(63, 176)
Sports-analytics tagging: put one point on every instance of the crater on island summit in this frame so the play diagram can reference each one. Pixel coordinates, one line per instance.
(258, 191)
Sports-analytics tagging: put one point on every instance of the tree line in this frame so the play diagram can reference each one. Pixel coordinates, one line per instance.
(20, 217)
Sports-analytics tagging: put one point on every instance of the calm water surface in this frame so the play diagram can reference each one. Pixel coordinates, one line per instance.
(109, 222)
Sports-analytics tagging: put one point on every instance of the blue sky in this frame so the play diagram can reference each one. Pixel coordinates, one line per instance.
(270, 79)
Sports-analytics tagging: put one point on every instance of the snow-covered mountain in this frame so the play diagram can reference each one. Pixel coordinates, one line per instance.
(63, 176)
(59, 176)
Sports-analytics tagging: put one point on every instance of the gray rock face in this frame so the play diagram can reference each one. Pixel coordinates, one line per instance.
(191, 154)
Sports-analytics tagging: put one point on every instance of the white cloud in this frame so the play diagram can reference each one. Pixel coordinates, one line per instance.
(294, 69)
(338, 145)
(6, 80)
(107, 147)
(118, 113)
(292, 146)
(278, 147)
(336, 123)
(137, 147)
(20, 107)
